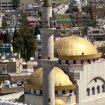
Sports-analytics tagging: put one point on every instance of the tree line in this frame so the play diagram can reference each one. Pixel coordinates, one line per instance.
(24, 41)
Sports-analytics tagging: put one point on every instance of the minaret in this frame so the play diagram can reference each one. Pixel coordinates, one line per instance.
(46, 13)
(48, 60)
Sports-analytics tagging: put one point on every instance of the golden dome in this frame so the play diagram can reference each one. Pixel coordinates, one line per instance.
(59, 102)
(62, 81)
(75, 48)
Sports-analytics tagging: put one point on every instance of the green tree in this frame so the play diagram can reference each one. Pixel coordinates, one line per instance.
(88, 9)
(4, 23)
(6, 38)
(16, 44)
(37, 30)
(16, 3)
(101, 48)
(24, 42)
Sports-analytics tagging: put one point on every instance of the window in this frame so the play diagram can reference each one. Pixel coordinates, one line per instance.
(29, 91)
(59, 61)
(93, 91)
(24, 66)
(98, 89)
(39, 50)
(88, 92)
(3, 68)
(70, 91)
(39, 57)
(88, 61)
(35, 91)
(41, 92)
(103, 88)
(67, 62)
(95, 80)
(82, 61)
(74, 61)
(49, 100)
(63, 92)
(56, 92)
(93, 60)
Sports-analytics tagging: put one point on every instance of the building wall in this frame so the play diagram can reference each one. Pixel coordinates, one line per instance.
(11, 67)
(33, 100)
(6, 4)
(38, 100)
(87, 76)
(3, 68)
(19, 66)
(91, 76)
(25, 3)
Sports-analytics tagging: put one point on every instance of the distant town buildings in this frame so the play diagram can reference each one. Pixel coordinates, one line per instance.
(6, 5)
(25, 3)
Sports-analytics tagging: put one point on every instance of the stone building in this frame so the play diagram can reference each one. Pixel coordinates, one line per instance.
(6, 5)
(71, 72)
(79, 75)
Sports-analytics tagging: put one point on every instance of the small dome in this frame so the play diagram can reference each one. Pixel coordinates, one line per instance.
(59, 102)
(61, 79)
(75, 48)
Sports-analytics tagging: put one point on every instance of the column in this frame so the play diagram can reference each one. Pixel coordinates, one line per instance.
(48, 81)
(47, 43)
(46, 13)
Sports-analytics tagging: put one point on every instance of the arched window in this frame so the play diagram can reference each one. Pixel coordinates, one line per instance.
(95, 80)
(93, 90)
(103, 88)
(88, 92)
(98, 89)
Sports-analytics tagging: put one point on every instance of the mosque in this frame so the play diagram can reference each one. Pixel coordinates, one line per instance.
(79, 75)
(71, 72)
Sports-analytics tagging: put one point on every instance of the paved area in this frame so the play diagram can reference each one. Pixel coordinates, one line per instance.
(100, 101)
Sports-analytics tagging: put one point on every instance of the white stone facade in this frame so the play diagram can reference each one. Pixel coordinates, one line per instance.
(38, 99)
(90, 79)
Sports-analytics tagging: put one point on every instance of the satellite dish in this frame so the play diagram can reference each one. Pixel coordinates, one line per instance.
(38, 37)
(6, 83)
(104, 26)
(3, 57)
(31, 58)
